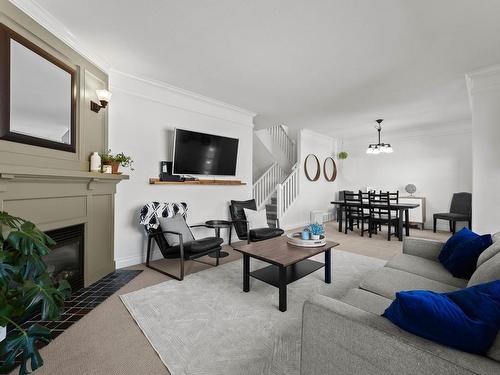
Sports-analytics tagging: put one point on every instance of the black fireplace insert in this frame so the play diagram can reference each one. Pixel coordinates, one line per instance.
(65, 261)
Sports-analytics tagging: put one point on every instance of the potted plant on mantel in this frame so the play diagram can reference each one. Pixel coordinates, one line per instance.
(107, 158)
(26, 289)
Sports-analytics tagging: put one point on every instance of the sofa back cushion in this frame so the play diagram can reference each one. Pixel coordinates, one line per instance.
(486, 272)
(489, 253)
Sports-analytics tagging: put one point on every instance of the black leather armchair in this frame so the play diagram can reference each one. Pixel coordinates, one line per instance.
(190, 250)
(242, 228)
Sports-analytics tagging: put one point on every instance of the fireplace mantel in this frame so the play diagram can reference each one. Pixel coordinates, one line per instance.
(54, 199)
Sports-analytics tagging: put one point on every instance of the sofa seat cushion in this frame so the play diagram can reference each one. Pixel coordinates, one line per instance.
(387, 281)
(199, 246)
(366, 301)
(260, 234)
(426, 268)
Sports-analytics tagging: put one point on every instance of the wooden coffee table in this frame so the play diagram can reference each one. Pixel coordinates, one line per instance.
(288, 263)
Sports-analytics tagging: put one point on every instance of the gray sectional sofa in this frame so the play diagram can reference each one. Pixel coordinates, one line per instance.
(348, 335)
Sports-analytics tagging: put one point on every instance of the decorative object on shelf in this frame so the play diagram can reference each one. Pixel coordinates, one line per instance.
(25, 293)
(106, 168)
(104, 96)
(311, 162)
(316, 231)
(411, 189)
(115, 161)
(95, 162)
(329, 164)
(297, 240)
(343, 155)
(305, 234)
(377, 148)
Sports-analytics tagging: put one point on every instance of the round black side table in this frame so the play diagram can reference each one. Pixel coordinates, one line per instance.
(217, 225)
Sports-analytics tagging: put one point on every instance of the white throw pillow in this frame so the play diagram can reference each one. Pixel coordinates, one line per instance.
(256, 219)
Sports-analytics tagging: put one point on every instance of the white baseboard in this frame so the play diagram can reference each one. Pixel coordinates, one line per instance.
(129, 261)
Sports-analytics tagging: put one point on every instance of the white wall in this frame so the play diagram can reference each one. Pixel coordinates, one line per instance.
(484, 92)
(141, 115)
(437, 163)
(314, 195)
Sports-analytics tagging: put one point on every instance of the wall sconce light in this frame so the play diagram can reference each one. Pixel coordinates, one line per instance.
(104, 96)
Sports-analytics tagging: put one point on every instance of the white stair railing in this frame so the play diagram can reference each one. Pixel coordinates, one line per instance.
(286, 144)
(265, 186)
(287, 191)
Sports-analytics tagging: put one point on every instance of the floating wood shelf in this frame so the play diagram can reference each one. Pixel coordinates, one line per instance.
(156, 181)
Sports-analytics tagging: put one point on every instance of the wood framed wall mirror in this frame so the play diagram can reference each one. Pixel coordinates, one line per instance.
(312, 167)
(37, 95)
(330, 169)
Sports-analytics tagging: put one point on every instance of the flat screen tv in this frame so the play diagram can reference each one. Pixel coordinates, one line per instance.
(200, 153)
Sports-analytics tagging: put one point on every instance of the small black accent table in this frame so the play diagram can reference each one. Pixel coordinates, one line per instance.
(288, 263)
(217, 225)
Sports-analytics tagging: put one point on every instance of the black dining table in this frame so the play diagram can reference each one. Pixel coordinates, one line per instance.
(402, 208)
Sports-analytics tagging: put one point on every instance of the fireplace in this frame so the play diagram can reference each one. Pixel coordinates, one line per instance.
(65, 261)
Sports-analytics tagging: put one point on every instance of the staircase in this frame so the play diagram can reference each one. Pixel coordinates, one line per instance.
(278, 187)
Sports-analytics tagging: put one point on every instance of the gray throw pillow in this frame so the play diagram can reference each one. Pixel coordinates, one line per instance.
(175, 224)
(488, 271)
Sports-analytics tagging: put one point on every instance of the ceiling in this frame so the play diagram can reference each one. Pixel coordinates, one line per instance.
(332, 66)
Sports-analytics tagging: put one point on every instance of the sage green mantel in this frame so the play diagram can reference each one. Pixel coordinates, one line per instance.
(53, 188)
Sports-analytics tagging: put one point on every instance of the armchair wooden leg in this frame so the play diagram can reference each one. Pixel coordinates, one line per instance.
(435, 222)
(451, 226)
(454, 229)
(470, 224)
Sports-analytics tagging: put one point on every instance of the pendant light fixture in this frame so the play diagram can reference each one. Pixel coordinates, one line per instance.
(377, 148)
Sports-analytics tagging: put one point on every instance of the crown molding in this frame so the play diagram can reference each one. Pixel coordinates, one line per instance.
(483, 79)
(56, 27)
(183, 92)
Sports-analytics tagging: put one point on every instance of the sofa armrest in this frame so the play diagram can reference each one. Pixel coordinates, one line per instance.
(422, 247)
(338, 338)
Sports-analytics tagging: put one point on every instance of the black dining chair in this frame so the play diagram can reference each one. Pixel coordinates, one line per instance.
(340, 210)
(460, 210)
(355, 212)
(381, 214)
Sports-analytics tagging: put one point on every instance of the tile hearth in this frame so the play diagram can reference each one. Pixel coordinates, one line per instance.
(84, 301)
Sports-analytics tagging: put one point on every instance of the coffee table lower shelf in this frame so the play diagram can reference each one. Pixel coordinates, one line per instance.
(270, 274)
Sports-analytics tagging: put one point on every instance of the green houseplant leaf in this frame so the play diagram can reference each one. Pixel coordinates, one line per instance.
(24, 343)
(26, 288)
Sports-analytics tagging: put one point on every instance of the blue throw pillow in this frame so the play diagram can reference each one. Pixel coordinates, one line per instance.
(462, 261)
(468, 319)
(464, 234)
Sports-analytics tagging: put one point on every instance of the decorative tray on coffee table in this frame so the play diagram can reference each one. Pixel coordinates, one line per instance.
(296, 240)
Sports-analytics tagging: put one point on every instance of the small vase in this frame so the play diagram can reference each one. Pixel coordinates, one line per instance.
(315, 236)
(3, 333)
(95, 162)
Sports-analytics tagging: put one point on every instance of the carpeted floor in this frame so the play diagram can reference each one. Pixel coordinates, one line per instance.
(108, 341)
(209, 326)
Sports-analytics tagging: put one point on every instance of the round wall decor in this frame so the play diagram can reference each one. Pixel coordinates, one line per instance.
(310, 163)
(330, 169)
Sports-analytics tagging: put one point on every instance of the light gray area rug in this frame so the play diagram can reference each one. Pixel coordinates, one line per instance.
(206, 324)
